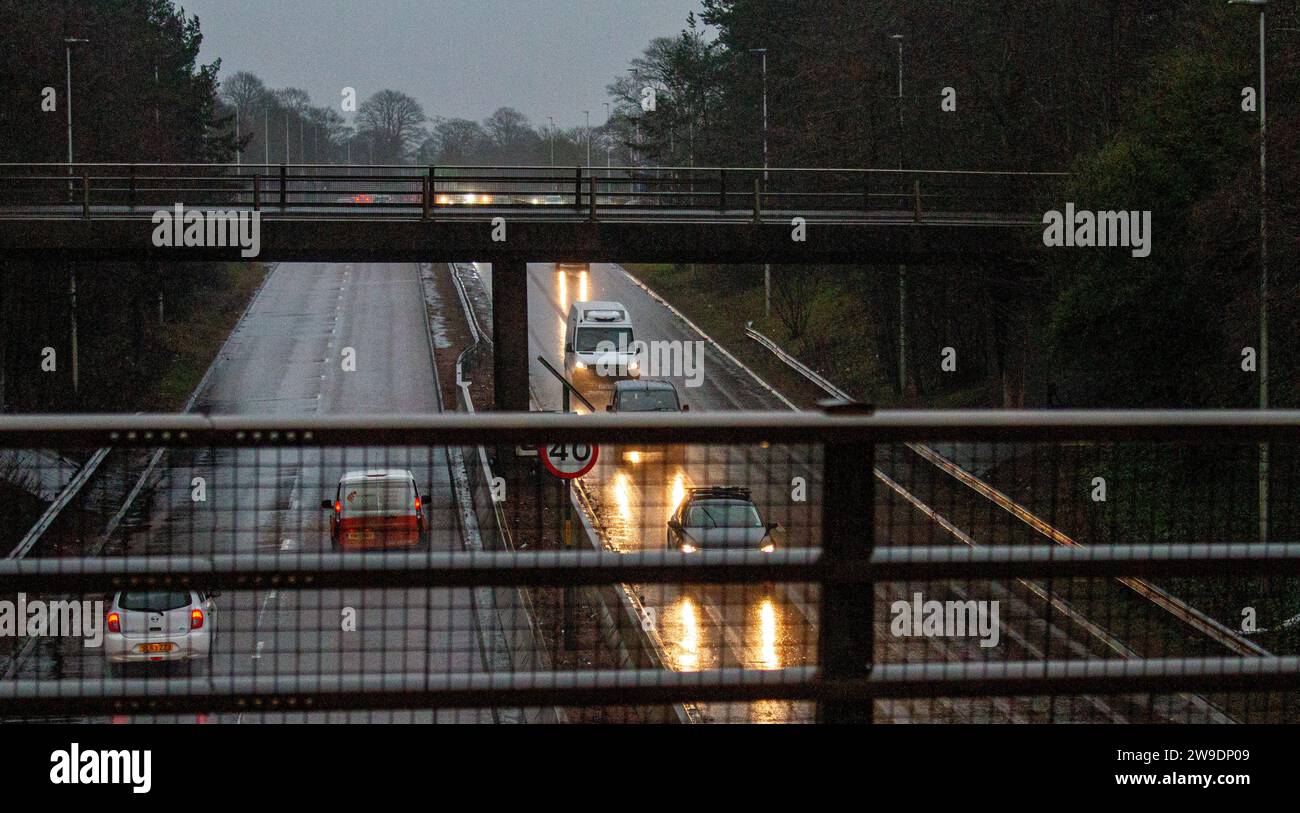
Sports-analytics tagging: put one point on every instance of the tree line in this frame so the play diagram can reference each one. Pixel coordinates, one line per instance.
(390, 127)
(1140, 100)
(140, 94)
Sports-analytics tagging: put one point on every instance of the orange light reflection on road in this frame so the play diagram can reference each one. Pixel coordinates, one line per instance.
(564, 290)
(688, 643)
(623, 496)
(767, 630)
(678, 492)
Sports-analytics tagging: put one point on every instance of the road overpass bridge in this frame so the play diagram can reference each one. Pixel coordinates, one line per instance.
(512, 215)
(402, 213)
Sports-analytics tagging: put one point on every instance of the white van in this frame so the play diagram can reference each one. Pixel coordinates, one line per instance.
(598, 342)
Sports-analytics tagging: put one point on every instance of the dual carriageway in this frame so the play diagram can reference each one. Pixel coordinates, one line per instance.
(282, 359)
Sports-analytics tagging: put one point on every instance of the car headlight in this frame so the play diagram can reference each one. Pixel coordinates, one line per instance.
(634, 365)
(579, 365)
(687, 547)
(768, 548)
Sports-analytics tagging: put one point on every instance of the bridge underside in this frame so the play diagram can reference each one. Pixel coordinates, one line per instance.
(559, 240)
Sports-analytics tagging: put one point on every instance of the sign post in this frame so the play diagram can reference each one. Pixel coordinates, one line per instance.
(568, 461)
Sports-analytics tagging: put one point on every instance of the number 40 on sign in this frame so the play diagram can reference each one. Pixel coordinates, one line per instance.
(569, 461)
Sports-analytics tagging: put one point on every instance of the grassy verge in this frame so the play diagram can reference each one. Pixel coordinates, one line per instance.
(723, 315)
(192, 344)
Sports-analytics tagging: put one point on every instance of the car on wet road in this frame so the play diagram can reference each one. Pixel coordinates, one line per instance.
(646, 395)
(158, 626)
(376, 509)
(719, 518)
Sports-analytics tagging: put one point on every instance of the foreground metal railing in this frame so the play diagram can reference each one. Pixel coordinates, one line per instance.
(849, 675)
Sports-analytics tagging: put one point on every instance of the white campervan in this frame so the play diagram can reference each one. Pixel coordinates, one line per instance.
(598, 342)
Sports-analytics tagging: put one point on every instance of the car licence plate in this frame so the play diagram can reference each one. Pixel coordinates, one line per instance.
(156, 647)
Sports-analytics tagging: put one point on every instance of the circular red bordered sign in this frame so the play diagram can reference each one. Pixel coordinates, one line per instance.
(568, 461)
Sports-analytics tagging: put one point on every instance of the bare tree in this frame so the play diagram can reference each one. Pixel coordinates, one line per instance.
(295, 100)
(243, 91)
(793, 291)
(393, 121)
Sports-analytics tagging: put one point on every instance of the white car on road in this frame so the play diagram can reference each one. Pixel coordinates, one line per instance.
(144, 626)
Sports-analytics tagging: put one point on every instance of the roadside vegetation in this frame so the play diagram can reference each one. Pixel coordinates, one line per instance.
(145, 332)
(1143, 104)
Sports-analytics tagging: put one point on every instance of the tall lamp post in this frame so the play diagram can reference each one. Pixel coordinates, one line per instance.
(68, 42)
(1263, 265)
(605, 138)
(767, 267)
(636, 139)
(587, 113)
(902, 269)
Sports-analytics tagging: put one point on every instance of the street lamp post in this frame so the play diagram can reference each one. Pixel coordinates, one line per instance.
(767, 267)
(587, 113)
(763, 53)
(609, 160)
(636, 140)
(1263, 265)
(72, 271)
(902, 269)
(67, 47)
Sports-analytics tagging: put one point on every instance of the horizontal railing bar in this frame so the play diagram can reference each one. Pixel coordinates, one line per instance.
(973, 426)
(310, 571)
(599, 169)
(637, 687)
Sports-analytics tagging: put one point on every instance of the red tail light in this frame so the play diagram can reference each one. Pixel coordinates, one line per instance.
(338, 507)
(114, 622)
(196, 618)
(417, 503)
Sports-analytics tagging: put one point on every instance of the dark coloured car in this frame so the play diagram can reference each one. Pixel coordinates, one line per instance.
(719, 518)
(646, 395)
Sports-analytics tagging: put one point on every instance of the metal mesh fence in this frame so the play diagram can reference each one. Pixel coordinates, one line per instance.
(784, 569)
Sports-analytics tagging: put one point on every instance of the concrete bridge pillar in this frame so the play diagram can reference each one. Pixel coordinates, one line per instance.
(510, 335)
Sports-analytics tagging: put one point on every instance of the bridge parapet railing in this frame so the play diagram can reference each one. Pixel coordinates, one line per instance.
(91, 189)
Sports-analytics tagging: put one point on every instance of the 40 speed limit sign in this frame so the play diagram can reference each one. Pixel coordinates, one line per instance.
(568, 461)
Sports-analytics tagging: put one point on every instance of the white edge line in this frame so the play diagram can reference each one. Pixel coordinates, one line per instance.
(707, 337)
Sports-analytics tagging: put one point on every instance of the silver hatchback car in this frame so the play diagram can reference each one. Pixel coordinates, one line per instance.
(158, 625)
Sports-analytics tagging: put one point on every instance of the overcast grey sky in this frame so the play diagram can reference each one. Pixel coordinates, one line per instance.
(460, 58)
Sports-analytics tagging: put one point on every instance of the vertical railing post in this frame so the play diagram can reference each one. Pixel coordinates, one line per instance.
(284, 187)
(916, 200)
(426, 191)
(85, 194)
(257, 192)
(722, 190)
(591, 187)
(130, 183)
(758, 199)
(846, 627)
(577, 188)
